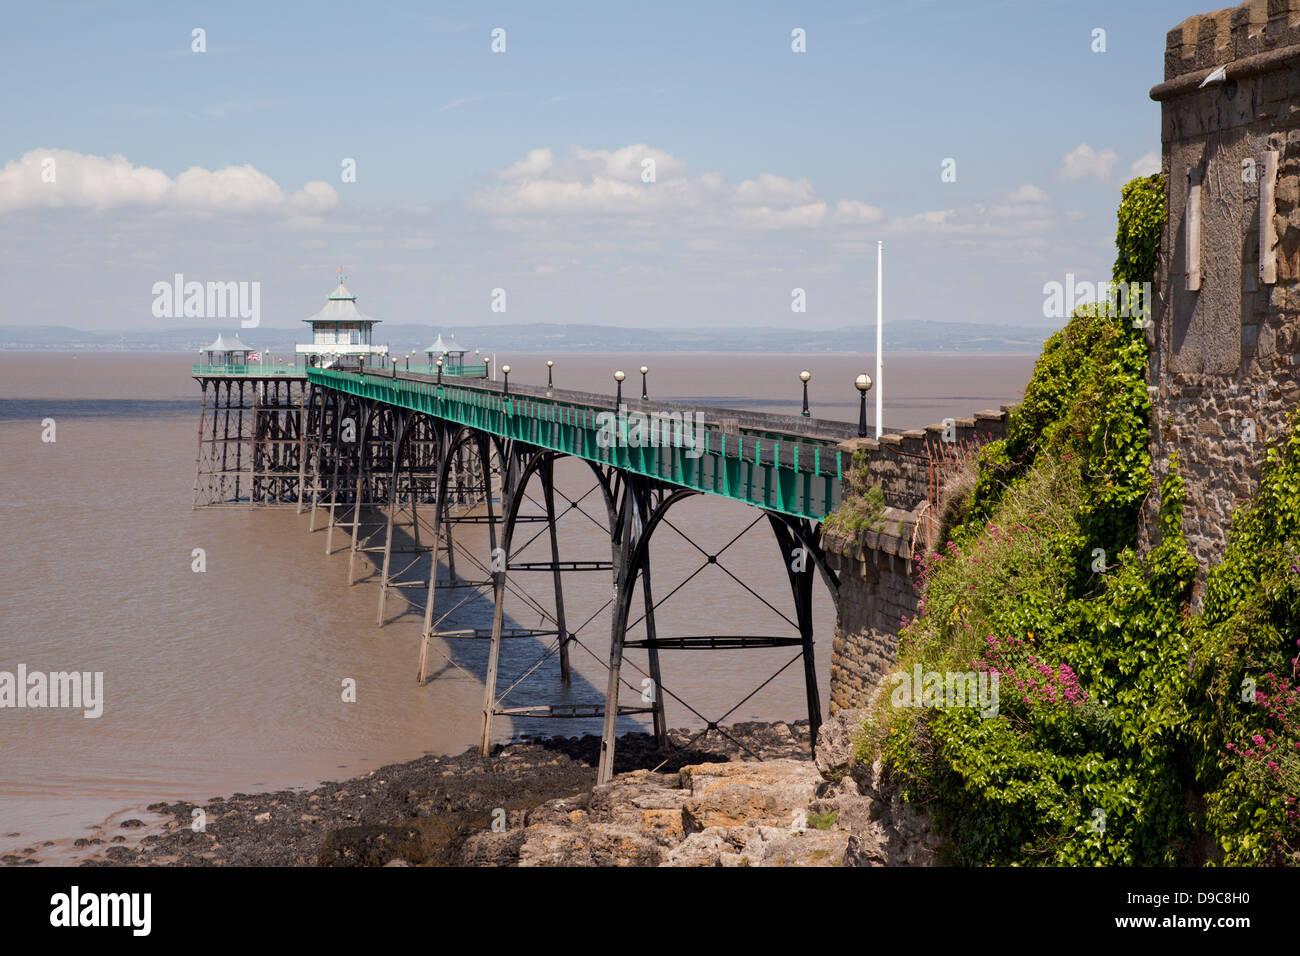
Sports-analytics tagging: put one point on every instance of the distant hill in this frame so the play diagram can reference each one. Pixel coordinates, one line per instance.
(919, 336)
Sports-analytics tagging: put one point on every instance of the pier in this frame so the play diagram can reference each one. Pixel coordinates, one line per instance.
(400, 461)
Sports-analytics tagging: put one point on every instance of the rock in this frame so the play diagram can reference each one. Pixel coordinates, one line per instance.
(715, 800)
(735, 794)
(370, 846)
(132, 824)
(595, 845)
(491, 848)
(708, 847)
(649, 802)
(771, 846)
(836, 743)
(884, 830)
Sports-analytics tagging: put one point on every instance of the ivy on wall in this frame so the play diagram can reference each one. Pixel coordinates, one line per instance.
(1123, 730)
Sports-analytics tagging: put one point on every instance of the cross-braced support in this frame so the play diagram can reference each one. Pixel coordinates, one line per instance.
(520, 462)
(648, 502)
(372, 451)
(318, 404)
(641, 505)
(416, 471)
(345, 464)
(801, 550)
(363, 452)
(464, 479)
(250, 440)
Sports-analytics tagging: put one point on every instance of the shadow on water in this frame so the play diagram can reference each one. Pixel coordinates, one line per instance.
(19, 409)
(468, 607)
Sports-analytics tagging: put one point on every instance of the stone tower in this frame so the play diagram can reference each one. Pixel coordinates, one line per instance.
(1225, 357)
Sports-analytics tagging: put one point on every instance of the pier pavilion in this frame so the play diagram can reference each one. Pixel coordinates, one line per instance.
(342, 335)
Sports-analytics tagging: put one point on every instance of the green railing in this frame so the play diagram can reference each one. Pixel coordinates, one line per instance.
(256, 370)
(459, 371)
(795, 474)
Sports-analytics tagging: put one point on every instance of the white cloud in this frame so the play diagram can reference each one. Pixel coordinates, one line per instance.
(65, 179)
(1146, 165)
(613, 183)
(1028, 193)
(850, 211)
(531, 166)
(774, 189)
(1084, 161)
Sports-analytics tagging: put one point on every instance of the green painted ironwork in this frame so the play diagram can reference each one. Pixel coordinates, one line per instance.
(461, 371)
(256, 371)
(792, 474)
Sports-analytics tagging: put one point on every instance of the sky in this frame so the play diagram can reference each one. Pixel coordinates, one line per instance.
(648, 165)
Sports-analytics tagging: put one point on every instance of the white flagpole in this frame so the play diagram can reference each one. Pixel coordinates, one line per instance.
(880, 337)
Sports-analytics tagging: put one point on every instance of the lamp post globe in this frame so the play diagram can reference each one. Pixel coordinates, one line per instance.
(863, 385)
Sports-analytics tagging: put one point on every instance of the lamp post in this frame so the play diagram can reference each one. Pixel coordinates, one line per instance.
(618, 377)
(644, 396)
(863, 383)
(803, 377)
(408, 361)
(394, 367)
(549, 366)
(439, 371)
(505, 375)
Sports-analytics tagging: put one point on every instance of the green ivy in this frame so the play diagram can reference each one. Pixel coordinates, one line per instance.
(1163, 750)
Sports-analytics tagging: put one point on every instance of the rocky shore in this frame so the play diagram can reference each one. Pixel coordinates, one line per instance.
(757, 800)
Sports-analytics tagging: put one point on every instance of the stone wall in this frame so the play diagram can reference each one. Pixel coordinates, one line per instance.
(877, 589)
(876, 592)
(1225, 361)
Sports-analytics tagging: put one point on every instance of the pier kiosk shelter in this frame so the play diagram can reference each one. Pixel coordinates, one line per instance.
(226, 352)
(342, 335)
(452, 355)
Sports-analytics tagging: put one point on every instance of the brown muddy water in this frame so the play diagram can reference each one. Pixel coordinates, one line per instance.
(230, 680)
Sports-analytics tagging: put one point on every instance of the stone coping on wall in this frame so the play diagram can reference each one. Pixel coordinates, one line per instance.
(989, 423)
(902, 461)
(896, 530)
